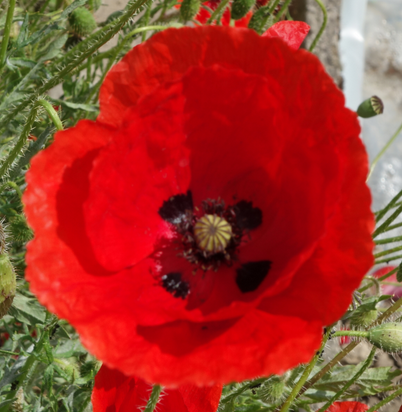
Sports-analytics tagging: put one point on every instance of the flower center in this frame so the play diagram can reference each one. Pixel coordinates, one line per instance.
(212, 233)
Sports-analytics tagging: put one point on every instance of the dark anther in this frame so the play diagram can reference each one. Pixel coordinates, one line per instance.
(175, 209)
(251, 274)
(173, 283)
(247, 216)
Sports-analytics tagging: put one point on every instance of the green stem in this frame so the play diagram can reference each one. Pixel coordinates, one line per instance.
(388, 240)
(323, 25)
(390, 205)
(387, 252)
(384, 149)
(356, 333)
(52, 113)
(43, 8)
(6, 164)
(147, 15)
(363, 368)
(382, 228)
(6, 34)
(299, 385)
(89, 66)
(388, 259)
(8, 352)
(282, 10)
(388, 399)
(153, 399)
(392, 227)
(13, 185)
(221, 7)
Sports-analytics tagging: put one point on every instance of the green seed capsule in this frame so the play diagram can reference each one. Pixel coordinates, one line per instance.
(371, 107)
(7, 284)
(81, 21)
(240, 8)
(189, 9)
(387, 336)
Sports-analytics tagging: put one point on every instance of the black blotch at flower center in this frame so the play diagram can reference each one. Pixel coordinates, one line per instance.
(250, 275)
(174, 284)
(210, 237)
(176, 208)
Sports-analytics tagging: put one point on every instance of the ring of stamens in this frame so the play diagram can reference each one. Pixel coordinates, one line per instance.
(212, 233)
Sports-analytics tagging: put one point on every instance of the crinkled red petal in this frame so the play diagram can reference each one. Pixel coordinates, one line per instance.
(211, 361)
(115, 392)
(292, 33)
(169, 54)
(345, 249)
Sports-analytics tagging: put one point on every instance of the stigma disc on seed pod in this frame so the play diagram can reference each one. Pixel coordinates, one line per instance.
(212, 233)
(371, 107)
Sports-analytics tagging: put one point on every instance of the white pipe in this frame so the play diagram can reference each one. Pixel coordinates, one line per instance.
(351, 48)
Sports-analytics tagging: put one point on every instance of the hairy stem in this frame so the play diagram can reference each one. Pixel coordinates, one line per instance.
(323, 25)
(6, 33)
(153, 399)
(360, 372)
(309, 367)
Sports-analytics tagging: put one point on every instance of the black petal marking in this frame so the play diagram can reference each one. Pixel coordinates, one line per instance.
(248, 217)
(174, 209)
(251, 275)
(173, 284)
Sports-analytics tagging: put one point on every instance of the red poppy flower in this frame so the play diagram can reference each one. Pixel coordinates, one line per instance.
(348, 407)
(213, 219)
(115, 392)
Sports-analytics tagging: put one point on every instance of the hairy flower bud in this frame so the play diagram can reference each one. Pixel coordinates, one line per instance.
(273, 390)
(387, 336)
(240, 8)
(7, 284)
(189, 9)
(371, 107)
(363, 318)
(259, 19)
(81, 21)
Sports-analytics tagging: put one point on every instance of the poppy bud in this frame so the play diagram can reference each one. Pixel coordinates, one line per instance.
(273, 390)
(7, 284)
(364, 318)
(189, 9)
(259, 19)
(371, 107)
(82, 22)
(240, 8)
(387, 336)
